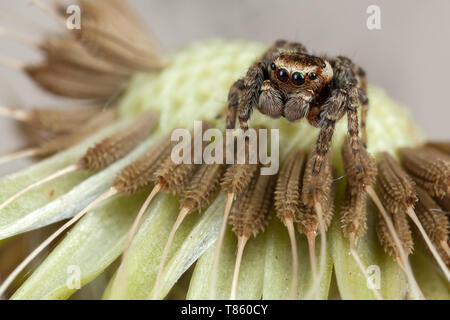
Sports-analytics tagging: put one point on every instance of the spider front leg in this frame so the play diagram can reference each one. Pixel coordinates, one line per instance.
(252, 85)
(333, 110)
(234, 97)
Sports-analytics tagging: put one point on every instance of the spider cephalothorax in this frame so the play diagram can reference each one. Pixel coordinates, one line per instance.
(287, 81)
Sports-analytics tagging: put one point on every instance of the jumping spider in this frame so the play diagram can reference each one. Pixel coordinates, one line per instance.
(288, 82)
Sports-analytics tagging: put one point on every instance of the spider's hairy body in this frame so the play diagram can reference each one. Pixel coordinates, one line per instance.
(288, 82)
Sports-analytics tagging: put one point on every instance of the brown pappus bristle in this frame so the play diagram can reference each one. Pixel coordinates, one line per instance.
(203, 187)
(96, 61)
(141, 173)
(434, 221)
(366, 177)
(396, 188)
(401, 226)
(250, 212)
(58, 121)
(444, 203)
(441, 146)
(429, 168)
(175, 175)
(354, 218)
(64, 50)
(120, 144)
(287, 190)
(59, 143)
(69, 81)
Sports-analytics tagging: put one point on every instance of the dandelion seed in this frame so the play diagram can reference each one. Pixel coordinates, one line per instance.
(316, 212)
(354, 226)
(362, 181)
(249, 216)
(236, 179)
(441, 146)
(398, 194)
(104, 153)
(287, 202)
(429, 168)
(434, 223)
(29, 41)
(54, 121)
(130, 180)
(167, 175)
(198, 195)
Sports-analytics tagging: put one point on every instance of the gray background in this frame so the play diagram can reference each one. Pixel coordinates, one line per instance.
(408, 56)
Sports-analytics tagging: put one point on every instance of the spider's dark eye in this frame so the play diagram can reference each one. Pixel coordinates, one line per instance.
(283, 75)
(273, 66)
(312, 76)
(298, 78)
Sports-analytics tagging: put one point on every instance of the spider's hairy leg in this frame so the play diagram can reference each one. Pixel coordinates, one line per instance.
(282, 45)
(321, 148)
(270, 100)
(234, 97)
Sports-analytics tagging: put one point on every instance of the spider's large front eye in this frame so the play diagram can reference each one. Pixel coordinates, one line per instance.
(298, 78)
(283, 75)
